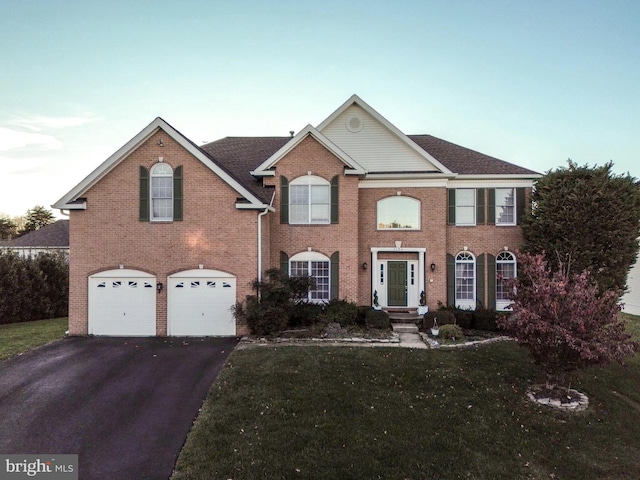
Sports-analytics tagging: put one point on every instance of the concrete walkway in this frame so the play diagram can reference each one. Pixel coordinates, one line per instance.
(409, 335)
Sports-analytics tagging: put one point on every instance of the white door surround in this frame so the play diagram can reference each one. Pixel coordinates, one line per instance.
(415, 274)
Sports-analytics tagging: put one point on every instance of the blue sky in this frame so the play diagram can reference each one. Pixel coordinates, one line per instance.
(530, 82)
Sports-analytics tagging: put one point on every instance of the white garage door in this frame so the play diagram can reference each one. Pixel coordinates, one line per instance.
(122, 303)
(200, 303)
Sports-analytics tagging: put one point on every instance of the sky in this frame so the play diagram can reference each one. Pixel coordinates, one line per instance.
(532, 82)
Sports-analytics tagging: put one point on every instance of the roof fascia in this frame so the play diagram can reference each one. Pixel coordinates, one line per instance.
(371, 111)
(66, 202)
(265, 168)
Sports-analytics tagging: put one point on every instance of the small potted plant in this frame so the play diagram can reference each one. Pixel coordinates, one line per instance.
(376, 305)
(422, 308)
(435, 330)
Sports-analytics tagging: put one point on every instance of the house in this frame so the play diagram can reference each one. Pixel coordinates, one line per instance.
(631, 299)
(52, 238)
(167, 235)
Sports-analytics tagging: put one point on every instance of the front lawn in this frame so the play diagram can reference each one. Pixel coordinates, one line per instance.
(16, 338)
(393, 413)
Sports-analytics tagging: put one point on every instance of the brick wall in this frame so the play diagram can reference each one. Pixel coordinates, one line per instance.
(310, 156)
(213, 233)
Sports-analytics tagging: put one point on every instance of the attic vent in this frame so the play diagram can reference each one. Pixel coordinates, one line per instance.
(354, 124)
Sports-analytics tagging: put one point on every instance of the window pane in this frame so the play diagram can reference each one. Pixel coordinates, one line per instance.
(162, 208)
(464, 281)
(505, 206)
(299, 213)
(319, 213)
(299, 195)
(298, 269)
(162, 187)
(319, 194)
(504, 271)
(465, 206)
(398, 213)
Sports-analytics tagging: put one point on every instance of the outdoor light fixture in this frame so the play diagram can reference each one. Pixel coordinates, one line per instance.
(160, 144)
(433, 267)
(159, 287)
(364, 266)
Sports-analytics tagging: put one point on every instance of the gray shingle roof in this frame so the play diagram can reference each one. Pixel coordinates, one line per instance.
(52, 235)
(465, 161)
(240, 155)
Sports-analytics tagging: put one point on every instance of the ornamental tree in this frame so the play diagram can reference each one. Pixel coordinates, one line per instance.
(563, 320)
(585, 218)
(36, 218)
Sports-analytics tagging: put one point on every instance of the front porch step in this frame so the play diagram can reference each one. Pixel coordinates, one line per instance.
(404, 327)
(403, 317)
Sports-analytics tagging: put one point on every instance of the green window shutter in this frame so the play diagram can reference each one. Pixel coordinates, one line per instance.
(480, 206)
(284, 263)
(284, 200)
(177, 194)
(491, 281)
(451, 280)
(334, 199)
(480, 280)
(520, 205)
(335, 276)
(144, 194)
(491, 207)
(451, 197)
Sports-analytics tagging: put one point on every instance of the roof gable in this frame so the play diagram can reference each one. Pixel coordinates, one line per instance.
(371, 140)
(266, 167)
(72, 200)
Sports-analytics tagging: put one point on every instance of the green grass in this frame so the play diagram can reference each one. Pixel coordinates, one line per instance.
(16, 338)
(367, 413)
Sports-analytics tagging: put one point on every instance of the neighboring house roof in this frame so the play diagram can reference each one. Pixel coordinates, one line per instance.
(53, 235)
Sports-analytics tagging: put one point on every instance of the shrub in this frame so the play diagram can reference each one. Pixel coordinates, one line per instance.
(564, 321)
(485, 319)
(464, 318)
(33, 288)
(451, 332)
(443, 317)
(305, 314)
(377, 319)
(341, 311)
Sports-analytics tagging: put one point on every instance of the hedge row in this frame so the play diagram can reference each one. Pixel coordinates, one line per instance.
(33, 288)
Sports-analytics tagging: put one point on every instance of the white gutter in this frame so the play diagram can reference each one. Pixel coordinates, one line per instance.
(260, 215)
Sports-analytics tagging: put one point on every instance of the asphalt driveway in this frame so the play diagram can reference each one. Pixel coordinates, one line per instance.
(124, 405)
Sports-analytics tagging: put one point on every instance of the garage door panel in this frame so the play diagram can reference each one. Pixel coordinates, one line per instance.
(201, 306)
(122, 306)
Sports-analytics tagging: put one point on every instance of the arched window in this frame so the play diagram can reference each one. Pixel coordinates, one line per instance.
(505, 270)
(465, 281)
(315, 265)
(398, 213)
(161, 192)
(309, 200)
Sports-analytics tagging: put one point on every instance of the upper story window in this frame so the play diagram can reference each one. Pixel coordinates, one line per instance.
(398, 213)
(505, 206)
(309, 200)
(465, 206)
(161, 192)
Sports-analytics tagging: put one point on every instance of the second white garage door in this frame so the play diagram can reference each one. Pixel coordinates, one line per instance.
(199, 303)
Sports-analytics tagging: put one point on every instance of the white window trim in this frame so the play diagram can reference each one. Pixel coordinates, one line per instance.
(504, 305)
(473, 222)
(151, 197)
(310, 181)
(515, 209)
(466, 304)
(386, 199)
(309, 257)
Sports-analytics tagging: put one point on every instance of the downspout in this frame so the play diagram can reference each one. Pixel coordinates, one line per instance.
(260, 215)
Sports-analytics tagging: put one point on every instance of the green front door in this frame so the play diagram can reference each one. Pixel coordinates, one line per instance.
(397, 284)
